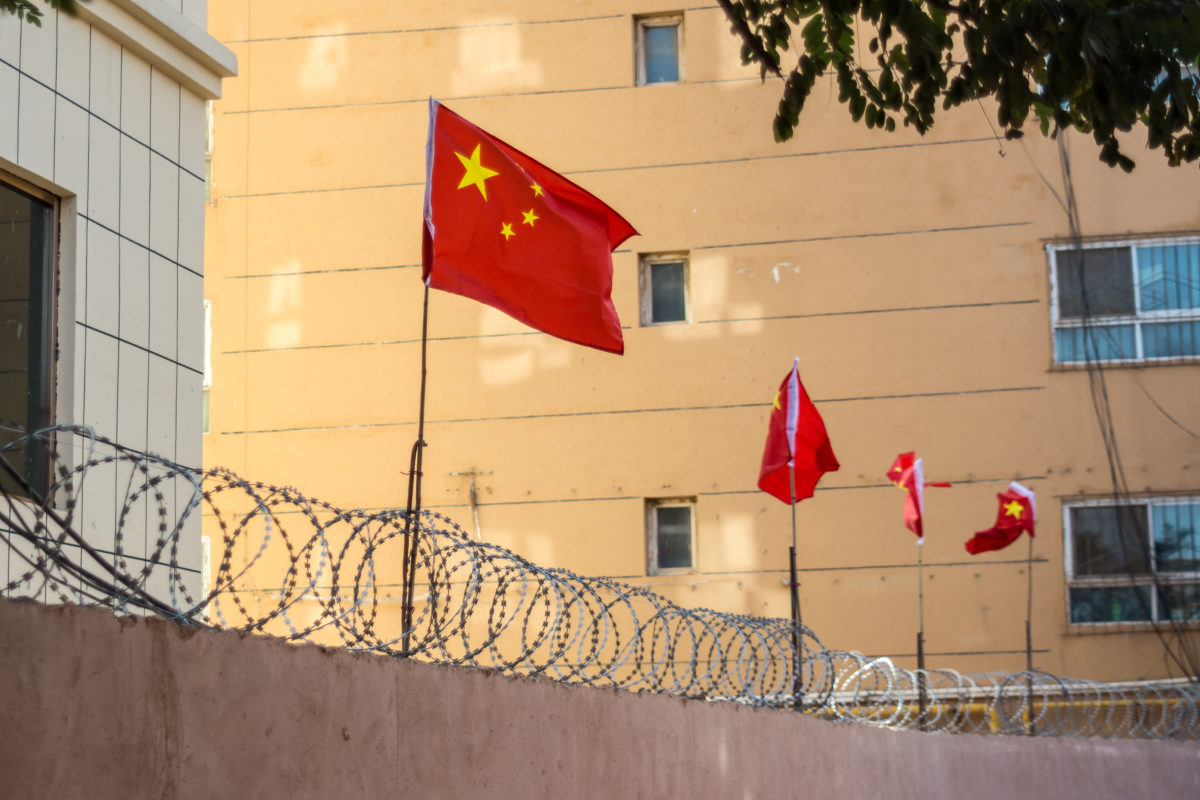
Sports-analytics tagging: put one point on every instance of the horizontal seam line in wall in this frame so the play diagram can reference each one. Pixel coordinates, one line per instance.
(620, 412)
(396, 342)
(102, 120)
(145, 247)
(896, 310)
(331, 270)
(956, 482)
(633, 168)
(144, 349)
(434, 29)
(423, 100)
(880, 235)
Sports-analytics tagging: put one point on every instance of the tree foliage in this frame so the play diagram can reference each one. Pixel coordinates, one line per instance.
(29, 11)
(1099, 67)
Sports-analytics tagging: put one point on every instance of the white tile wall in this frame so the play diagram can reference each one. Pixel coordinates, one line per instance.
(135, 97)
(74, 44)
(39, 46)
(134, 290)
(164, 205)
(135, 190)
(10, 41)
(133, 389)
(71, 149)
(35, 127)
(164, 115)
(10, 79)
(104, 173)
(126, 145)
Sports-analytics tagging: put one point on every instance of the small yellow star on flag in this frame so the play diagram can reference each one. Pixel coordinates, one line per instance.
(506, 230)
(476, 172)
(537, 190)
(530, 217)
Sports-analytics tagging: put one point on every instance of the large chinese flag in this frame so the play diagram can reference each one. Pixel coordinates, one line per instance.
(507, 231)
(796, 437)
(1018, 512)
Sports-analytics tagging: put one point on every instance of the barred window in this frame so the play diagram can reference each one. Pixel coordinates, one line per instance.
(1126, 301)
(670, 535)
(1118, 553)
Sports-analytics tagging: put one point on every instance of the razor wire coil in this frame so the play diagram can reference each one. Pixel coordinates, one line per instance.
(295, 567)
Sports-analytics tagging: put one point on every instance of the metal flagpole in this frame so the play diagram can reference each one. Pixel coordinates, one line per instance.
(798, 653)
(1030, 730)
(921, 698)
(413, 509)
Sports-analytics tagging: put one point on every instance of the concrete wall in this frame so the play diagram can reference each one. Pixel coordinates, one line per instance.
(105, 111)
(95, 706)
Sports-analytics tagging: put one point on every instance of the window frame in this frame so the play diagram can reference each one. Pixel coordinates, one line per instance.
(1151, 578)
(652, 504)
(646, 262)
(48, 323)
(673, 19)
(1137, 319)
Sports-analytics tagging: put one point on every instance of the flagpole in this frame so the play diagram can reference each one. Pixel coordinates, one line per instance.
(1029, 637)
(921, 699)
(798, 655)
(413, 509)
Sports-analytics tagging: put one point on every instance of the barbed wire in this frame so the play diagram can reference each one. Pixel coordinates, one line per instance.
(123, 532)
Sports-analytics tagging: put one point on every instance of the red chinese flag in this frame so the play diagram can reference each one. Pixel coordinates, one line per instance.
(908, 472)
(507, 231)
(1018, 512)
(795, 436)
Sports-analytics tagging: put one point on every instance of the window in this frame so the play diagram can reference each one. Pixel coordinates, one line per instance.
(657, 48)
(28, 221)
(662, 281)
(1126, 301)
(670, 536)
(1117, 554)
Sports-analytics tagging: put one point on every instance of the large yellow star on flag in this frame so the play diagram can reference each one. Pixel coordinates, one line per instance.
(1013, 509)
(476, 172)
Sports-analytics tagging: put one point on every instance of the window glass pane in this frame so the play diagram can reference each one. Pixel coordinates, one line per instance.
(674, 536)
(667, 292)
(1109, 540)
(1110, 604)
(25, 246)
(1105, 282)
(1101, 342)
(662, 62)
(1169, 276)
(1177, 537)
(1168, 339)
(1179, 602)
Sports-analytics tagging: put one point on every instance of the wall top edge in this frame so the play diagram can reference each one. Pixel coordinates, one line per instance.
(155, 17)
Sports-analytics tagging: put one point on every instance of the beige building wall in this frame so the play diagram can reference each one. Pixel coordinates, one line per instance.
(909, 274)
(103, 114)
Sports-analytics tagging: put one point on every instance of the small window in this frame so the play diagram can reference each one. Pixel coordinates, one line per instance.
(1133, 562)
(663, 280)
(658, 47)
(28, 224)
(670, 536)
(1126, 301)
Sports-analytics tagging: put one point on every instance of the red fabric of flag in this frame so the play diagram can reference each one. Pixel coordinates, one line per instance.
(1018, 512)
(796, 436)
(505, 230)
(908, 472)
